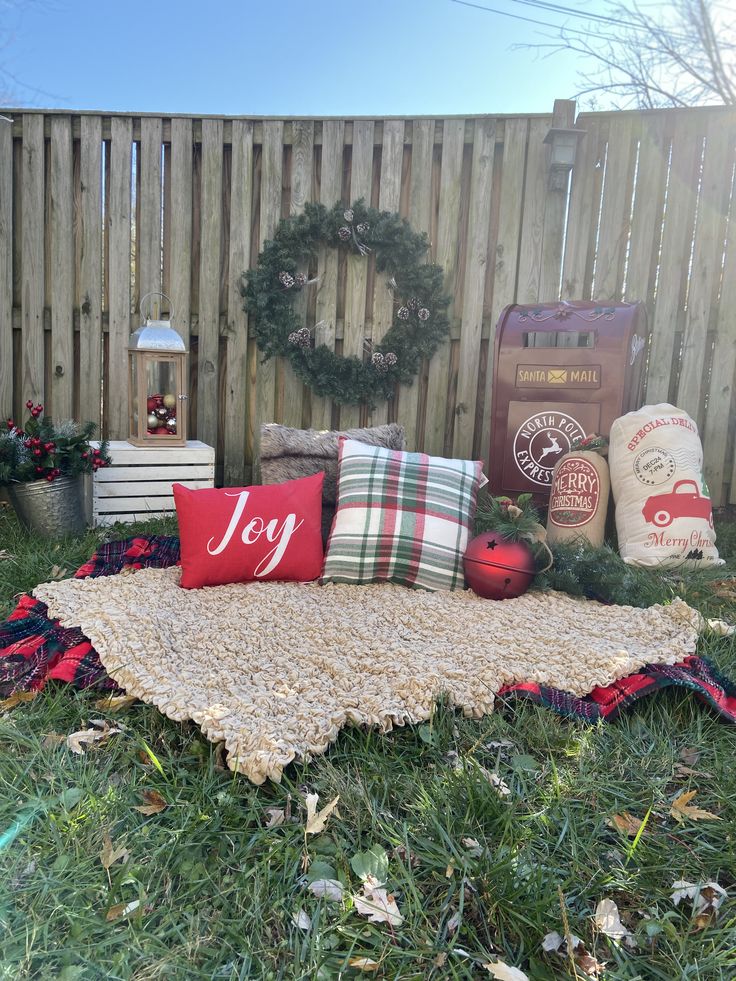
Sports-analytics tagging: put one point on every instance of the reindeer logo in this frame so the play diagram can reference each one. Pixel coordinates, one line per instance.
(541, 440)
(554, 446)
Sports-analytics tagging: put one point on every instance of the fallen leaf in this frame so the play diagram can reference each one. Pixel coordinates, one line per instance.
(720, 628)
(363, 964)
(109, 855)
(378, 905)
(570, 945)
(57, 572)
(725, 588)
(504, 972)
(302, 920)
(115, 703)
(5, 554)
(276, 816)
(406, 855)
(454, 922)
(317, 820)
(608, 920)
(122, 909)
(155, 803)
(496, 782)
(687, 771)
(76, 741)
(706, 900)
(501, 744)
(626, 823)
(681, 809)
(17, 698)
(474, 847)
(331, 889)
(440, 960)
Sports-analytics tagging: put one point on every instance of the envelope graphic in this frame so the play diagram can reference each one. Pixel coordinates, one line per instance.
(557, 376)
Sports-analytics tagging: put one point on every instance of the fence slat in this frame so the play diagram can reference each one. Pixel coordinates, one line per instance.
(392, 158)
(208, 344)
(706, 264)
(582, 214)
(615, 211)
(554, 217)
(357, 275)
(90, 285)
(453, 142)
(532, 224)
(302, 156)
(674, 255)
(333, 139)
(32, 285)
(420, 203)
(6, 269)
(271, 169)
(507, 250)
(236, 395)
(116, 397)
(473, 288)
(62, 269)
(646, 219)
(149, 232)
(722, 392)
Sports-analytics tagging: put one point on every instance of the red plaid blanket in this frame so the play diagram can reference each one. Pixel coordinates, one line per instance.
(35, 650)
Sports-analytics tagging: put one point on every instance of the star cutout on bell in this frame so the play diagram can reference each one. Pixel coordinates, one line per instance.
(492, 543)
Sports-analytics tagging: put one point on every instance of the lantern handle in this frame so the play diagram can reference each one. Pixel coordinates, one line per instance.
(155, 293)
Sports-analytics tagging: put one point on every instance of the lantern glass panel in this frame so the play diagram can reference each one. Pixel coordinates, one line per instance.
(162, 402)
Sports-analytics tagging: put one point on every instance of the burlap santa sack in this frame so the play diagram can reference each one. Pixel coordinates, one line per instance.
(663, 508)
(578, 500)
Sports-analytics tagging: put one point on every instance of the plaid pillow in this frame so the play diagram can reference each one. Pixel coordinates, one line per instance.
(401, 517)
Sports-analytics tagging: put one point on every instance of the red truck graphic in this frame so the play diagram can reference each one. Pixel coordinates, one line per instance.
(683, 501)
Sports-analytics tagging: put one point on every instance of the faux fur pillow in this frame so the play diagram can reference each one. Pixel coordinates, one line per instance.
(287, 454)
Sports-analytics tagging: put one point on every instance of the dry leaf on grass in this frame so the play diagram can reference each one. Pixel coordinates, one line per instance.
(496, 782)
(57, 572)
(115, 703)
(626, 823)
(5, 554)
(302, 920)
(573, 947)
(706, 900)
(504, 972)
(363, 964)
(17, 698)
(608, 921)
(689, 755)
(317, 820)
(687, 771)
(122, 909)
(474, 847)
(453, 923)
(682, 809)
(331, 889)
(276, 816)
(377, 904)
(76, 741)
(720, 628)
(109, 854)
(155, 803)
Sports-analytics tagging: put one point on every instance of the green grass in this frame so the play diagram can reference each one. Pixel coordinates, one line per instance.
(217, 889)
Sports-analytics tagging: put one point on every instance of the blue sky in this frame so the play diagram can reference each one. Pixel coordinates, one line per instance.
(284, 57)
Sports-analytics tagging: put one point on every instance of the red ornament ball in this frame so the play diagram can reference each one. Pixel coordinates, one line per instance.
(496, 568)
(153, 402)
(161, 431)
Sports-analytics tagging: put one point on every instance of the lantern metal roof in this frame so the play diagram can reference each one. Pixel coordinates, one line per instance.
(156, 335)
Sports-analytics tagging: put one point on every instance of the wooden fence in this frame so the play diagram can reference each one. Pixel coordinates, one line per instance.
(96, 210)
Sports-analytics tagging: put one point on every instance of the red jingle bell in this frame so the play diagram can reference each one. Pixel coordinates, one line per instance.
(496, 568)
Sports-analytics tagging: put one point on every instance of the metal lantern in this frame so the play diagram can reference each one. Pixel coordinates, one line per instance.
(157, 382)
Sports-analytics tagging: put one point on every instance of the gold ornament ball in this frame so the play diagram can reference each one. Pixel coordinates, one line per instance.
(169, 401)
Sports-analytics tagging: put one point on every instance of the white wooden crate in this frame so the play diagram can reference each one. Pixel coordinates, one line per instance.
(138, 483)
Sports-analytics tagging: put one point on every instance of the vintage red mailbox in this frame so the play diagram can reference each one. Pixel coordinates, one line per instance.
(561, 370)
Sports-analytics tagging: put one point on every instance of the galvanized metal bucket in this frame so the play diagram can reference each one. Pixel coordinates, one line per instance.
(51, 508)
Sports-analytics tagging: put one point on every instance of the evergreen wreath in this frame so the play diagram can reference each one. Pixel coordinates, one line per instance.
(420, 305)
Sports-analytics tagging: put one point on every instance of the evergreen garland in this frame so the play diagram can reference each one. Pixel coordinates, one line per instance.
(420, 305)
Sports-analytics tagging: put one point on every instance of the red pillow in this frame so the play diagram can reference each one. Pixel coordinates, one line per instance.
(238, 534)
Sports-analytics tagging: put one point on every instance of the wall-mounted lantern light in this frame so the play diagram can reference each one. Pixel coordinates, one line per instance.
(563, 144)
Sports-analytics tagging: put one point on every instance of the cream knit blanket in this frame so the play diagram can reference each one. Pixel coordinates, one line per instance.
(277, 669)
